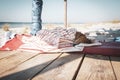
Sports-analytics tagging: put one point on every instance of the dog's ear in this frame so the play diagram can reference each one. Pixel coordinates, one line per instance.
(78, 34)
(81, 38)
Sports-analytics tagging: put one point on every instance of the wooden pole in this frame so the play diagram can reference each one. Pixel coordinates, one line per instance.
(65, 14)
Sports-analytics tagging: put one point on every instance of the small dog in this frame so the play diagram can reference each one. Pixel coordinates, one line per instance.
(81, 38)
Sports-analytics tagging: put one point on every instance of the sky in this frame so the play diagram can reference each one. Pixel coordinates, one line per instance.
(79, 11)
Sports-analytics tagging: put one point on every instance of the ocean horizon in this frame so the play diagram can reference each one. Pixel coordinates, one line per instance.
(20, 24)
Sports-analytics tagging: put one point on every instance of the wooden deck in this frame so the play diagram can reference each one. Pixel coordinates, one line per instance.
(17, 65)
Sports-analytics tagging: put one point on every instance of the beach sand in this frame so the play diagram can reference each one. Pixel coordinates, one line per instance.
(99, 31)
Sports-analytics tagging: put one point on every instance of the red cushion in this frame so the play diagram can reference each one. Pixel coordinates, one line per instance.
(107, 48)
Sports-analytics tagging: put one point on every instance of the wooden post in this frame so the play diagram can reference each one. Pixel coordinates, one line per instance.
(65, 15)
(36, 16)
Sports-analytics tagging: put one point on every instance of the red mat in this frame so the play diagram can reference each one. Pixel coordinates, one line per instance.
(14, 43)
(107, 48)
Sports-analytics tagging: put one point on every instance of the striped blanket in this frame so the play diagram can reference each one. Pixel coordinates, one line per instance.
(49, 40)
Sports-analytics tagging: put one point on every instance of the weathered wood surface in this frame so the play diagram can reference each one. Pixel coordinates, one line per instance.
(115, 61)
(63, 68)
(29, 68)
(14, 60)
(96, 67)
(18, 65)
(4, 54)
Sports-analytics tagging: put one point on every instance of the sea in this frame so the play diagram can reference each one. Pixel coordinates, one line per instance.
(16, 24)
(28, 24)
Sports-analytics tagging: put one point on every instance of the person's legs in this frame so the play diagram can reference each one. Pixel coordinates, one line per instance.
(36, 16)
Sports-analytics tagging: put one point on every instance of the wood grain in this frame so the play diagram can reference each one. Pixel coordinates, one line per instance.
(4, 54)
(116, 66)
(12, 61)
(29, 68)
(96, 67)
(63, 68)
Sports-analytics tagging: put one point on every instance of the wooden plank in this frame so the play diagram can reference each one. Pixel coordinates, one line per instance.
(63, 68)
(116, 66)
(29, 68)
(96, 67)
(4, 54)
(12, 61)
